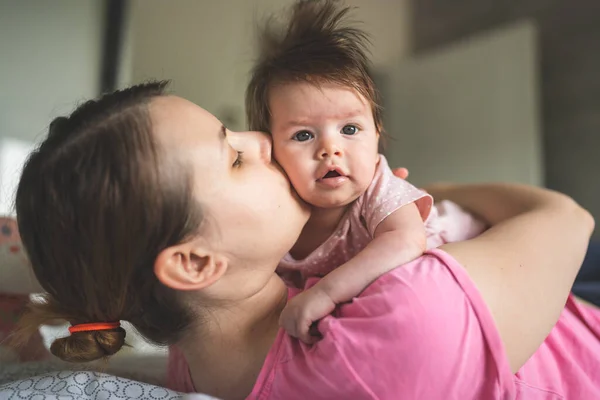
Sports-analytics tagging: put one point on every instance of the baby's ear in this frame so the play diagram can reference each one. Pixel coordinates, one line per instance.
(189, 266)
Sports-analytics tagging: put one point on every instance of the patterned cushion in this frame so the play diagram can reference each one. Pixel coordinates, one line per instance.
(66, 385)
(71, 385)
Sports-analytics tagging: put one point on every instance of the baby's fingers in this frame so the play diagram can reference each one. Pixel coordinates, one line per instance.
(297, 322)
(288, 322)
(304, 332)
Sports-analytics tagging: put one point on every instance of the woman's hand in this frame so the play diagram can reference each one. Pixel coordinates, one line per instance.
(400, 172)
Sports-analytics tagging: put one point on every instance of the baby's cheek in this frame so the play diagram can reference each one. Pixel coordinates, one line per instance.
(365, 174)
(280, 151)
(296, 165)
(298, 177)
(289, 160)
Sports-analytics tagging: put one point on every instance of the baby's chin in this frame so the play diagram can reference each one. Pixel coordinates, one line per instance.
(329, 201)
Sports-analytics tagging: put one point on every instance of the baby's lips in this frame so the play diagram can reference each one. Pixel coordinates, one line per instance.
(326, 170)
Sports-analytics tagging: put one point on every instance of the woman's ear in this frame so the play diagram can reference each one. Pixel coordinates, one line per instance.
(189, 266)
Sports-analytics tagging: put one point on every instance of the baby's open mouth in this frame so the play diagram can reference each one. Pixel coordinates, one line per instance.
(333, 179)
(331, 174)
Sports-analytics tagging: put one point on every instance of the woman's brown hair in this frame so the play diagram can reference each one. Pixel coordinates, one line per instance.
(315, 45)
(97, 202)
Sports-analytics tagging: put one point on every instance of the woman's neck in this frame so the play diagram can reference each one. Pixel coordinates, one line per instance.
(227, 350)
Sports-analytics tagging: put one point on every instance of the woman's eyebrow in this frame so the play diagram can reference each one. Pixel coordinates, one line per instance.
(222, 137)
(224, 145)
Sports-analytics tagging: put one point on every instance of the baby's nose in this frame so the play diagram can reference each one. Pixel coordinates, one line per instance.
(329, 148)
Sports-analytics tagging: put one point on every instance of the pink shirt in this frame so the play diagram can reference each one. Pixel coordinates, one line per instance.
(423, 331)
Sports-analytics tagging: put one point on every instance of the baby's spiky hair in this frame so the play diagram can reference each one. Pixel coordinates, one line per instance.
(314, 44)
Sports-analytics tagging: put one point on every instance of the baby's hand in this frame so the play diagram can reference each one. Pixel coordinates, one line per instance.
(304, 309)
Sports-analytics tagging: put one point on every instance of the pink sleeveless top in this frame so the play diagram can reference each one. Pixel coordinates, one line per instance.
(423, 331)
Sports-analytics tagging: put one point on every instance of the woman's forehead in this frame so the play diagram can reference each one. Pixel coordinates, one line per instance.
(178, 119)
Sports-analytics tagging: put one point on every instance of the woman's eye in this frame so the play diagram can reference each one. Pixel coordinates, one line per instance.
(239, 160)
(303, 136)
(349, 130)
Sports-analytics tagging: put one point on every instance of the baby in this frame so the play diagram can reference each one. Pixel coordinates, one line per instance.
(312, 91)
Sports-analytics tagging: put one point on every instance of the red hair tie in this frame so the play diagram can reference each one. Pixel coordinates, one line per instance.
(99, 326)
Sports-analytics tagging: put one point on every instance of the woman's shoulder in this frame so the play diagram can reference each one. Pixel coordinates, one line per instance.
(434, 282)
(422, 320)
(432, 291)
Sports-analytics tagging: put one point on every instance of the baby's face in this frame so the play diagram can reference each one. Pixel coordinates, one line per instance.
(325, 139)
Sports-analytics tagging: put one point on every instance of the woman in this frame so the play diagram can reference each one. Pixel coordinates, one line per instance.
(143, 207)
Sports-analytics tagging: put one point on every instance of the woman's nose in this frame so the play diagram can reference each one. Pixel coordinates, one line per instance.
(265, 146)
(254, 144)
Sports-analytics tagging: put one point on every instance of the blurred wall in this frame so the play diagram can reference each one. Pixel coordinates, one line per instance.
(568, 43)
(206, 47)
(469, 112)
(49, 59)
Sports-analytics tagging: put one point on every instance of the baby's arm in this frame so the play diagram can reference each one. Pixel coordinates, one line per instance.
(398, 239)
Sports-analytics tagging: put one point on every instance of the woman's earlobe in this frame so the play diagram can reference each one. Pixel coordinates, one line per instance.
(188, 267)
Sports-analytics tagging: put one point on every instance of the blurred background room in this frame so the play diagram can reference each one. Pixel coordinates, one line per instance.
(473, 90)
(489, 89)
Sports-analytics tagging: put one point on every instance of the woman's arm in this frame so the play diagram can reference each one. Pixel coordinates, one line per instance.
(525, 264)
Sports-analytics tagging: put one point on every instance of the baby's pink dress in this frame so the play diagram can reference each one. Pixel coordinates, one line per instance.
(445, 222)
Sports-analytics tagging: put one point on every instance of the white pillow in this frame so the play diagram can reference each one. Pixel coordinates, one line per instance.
(16, 274)
(84, 385)
(13, 154)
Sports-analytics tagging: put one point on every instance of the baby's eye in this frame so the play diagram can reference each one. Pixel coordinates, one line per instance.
(303, 136)
(239, 160)
(349, 130)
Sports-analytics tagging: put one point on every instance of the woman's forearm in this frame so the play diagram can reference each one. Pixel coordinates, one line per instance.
(525, 264)
(497, 202)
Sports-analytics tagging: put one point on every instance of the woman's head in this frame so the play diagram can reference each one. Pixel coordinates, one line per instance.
(137, 197)
(252, 216)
